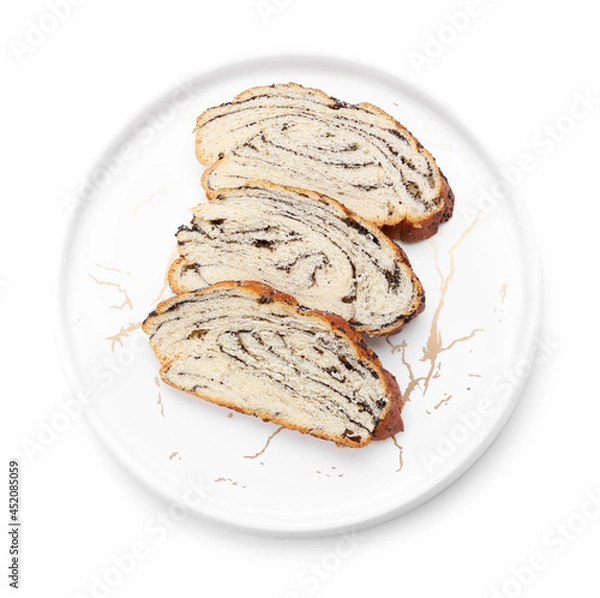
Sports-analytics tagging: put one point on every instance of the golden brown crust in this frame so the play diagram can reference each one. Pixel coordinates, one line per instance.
(172, 277)
(392, 423)
(407, 229)
(391, 420)
(410, 231)
(258, 288)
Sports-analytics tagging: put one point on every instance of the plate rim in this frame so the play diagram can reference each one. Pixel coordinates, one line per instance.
(531, 267)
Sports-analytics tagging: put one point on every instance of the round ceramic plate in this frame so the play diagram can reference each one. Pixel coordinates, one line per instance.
(461, 364)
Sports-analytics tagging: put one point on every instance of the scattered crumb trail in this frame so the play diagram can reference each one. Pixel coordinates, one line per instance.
(400, 449)
(123, 333)
(266, 445)
(434, 345)
(159, 402)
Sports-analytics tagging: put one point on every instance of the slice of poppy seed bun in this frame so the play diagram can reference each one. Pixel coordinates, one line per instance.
(304, 244)
(357, 154)
(254, 349)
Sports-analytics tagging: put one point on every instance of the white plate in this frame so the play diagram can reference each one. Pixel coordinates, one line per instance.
(463, 362)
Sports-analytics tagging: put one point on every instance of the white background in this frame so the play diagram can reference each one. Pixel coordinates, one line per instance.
(512, 70)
